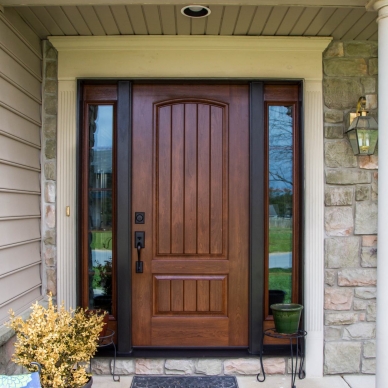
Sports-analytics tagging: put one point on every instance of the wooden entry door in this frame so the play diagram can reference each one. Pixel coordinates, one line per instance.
(190, 176)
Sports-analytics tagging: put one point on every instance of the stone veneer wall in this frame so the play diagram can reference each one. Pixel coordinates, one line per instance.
(350, 71)
(49, 155)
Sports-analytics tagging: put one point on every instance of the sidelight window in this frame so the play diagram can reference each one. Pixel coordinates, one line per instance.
(98, 198)
(282, 196)
(100, 206)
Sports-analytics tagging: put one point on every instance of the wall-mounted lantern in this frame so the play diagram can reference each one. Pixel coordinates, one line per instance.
(362, 132)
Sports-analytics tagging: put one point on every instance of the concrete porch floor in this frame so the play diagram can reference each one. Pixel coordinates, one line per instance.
(270, 382)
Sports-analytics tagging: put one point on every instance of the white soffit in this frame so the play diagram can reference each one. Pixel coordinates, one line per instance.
(342, 22)
(304, 3)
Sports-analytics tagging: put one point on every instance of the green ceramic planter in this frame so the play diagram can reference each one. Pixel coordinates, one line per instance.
(286, 317)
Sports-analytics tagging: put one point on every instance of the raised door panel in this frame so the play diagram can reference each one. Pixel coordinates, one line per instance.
(191, 139)
(193, 295)
(190, 332)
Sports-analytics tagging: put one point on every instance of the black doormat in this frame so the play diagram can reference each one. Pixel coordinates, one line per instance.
(184, 382)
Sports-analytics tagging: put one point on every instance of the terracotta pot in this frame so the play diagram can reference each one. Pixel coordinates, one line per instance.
(286, 317)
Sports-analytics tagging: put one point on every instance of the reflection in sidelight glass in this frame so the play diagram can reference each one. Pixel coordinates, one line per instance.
(100, 206)
(280, 171)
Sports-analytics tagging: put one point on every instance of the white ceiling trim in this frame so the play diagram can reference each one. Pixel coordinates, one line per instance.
(302, 3)
(189, 57)
(188, 43)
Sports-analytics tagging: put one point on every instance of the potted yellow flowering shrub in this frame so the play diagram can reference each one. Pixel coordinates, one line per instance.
(61, 341)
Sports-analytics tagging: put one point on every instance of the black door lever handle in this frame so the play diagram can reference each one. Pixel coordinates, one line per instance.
(139, 263)
(138, 251)
(140, 243)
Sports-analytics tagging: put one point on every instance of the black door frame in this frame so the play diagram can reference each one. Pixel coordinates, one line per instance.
(124, 221)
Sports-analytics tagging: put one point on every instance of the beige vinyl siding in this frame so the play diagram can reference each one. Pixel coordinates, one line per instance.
(26, 33)
(19, 101)
(20, 122)
(19, 205)
(21, 303)
(18, 179)
(15, 126)
(22, 154)
(17, 75)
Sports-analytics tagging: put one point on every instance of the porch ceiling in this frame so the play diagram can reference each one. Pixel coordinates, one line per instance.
(344, 19)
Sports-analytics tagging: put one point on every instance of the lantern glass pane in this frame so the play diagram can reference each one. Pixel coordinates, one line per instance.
(353, 140)
(367, 140)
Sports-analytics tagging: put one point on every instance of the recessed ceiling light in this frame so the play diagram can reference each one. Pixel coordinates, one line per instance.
(195, 11)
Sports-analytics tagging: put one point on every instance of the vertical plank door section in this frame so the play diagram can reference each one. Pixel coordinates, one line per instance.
(190, 176)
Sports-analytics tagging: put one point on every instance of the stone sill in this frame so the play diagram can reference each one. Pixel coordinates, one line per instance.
(209, 366)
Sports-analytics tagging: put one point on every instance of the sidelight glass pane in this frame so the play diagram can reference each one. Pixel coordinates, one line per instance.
(100, 211)
(280, 177)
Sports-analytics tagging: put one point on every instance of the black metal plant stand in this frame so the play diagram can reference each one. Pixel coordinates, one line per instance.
(104, 341)
(299, 353)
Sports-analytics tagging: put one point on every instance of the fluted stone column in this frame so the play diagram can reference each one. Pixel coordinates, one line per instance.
(382, 248)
